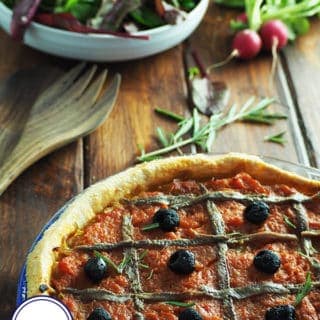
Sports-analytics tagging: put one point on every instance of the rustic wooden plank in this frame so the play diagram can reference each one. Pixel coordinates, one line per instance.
(159, 81)
(245, 79)
(146, 84)
(32, 199)
(302, 62)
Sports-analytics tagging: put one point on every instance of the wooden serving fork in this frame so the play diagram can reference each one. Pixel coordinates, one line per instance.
(72, 107)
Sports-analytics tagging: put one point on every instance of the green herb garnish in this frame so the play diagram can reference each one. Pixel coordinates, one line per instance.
(140, 258)
(193, 72)
(162, 137)
(150, 275)
(125, 261)
(203, 135)
(277, 138)
(169, 114)
(180, 304)
(143, 254)
(289, 222)
(107, 260)
(304, 291)
(151, 226)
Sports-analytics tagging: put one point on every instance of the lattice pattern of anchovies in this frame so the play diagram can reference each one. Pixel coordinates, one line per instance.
(132, 270)
(219, 238)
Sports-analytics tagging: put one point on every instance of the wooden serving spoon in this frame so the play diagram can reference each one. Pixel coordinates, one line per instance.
(32, 125)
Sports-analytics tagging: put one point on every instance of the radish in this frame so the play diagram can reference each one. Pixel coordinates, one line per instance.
(246, 45)
(274, 33)
(242, 18)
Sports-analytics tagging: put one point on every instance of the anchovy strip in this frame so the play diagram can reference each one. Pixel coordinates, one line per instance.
(132, 269)
(223, 272)
(98, 294)
(310, 233)
(182, 201)
(238, 293)
(197, 241)
(303, 225)
(263, 236)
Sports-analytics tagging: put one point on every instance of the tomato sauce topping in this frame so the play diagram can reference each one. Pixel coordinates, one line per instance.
(156, 277)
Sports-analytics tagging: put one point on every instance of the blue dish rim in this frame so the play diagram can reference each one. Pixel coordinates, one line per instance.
(300, 169)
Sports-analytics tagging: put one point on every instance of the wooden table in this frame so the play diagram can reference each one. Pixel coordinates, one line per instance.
(156, 81)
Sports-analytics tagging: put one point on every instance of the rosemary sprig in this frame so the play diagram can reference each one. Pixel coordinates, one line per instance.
(203, 135)
(162, 137)
(180, 304)
(304, 291)
(276, 138)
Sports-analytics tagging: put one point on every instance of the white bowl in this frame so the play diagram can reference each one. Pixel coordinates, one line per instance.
(98, 47)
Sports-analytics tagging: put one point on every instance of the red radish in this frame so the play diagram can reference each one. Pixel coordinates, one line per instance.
(246, 45)
(242, 18)
(274, 33)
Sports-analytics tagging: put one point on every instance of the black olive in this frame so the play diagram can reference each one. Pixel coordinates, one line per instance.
(182, 262)
(168, 219)
(95, 269)
(257, 212)
(267, 261)
(99, 314)
(284, 312)
(189, 314)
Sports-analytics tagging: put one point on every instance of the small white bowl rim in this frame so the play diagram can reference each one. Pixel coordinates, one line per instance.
(67, 33)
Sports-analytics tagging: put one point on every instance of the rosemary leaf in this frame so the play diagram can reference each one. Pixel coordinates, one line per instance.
(257, 118)
(277, 138)
(143, 254)
(180, 304)
(275, 115)
(126, 259)
(144, 266)
(162, 137)
(151, 226)
(170, 114)
(185, 127)
(289, 222)
(304, 291)
(150, 275)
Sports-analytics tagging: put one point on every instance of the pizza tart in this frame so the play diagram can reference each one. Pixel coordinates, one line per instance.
(188, 238)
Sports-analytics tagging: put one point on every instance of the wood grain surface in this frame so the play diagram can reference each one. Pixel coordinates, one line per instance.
(155, 81)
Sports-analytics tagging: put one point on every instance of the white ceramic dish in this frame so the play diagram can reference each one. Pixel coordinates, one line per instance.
(97, 47)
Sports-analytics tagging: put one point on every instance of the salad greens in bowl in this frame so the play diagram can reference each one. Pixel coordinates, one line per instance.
(101, 30)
